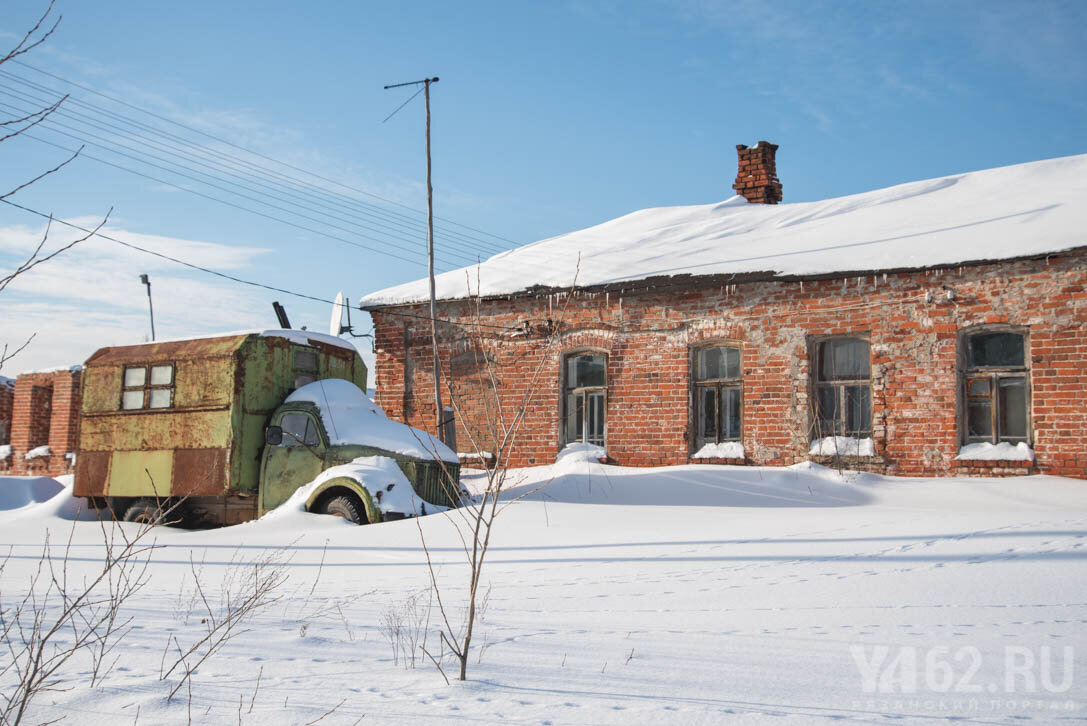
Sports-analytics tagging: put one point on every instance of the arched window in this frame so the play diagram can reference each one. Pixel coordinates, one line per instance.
(585, 397)
(996, 387)
(843, 388)
(718, 395)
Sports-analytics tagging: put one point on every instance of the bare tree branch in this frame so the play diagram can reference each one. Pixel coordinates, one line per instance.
(44, 174)
(27, 44)
(34, 260)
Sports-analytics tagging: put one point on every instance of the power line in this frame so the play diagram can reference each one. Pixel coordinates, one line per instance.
(85, 138)
(226, 276)
(221, 160)
(254, 153)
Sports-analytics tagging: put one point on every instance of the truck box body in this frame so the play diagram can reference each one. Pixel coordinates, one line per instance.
(187, 418)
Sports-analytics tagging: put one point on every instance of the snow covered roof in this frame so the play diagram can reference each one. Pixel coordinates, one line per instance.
(1014, 211)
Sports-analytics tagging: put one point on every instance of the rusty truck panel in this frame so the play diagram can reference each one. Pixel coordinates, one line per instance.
(187, 418)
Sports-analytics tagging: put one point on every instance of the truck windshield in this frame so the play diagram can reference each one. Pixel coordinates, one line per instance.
(298, 430)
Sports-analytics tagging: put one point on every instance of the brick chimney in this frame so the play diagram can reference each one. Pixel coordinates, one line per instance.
(757, 176)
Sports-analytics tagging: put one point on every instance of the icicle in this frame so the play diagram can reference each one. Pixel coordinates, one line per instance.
(801, 286)
(885, 277)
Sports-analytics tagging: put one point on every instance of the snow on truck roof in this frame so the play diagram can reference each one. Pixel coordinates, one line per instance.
(1014, 211)
(350, 417)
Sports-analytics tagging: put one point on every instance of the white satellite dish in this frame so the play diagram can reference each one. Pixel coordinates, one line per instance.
(335, 325)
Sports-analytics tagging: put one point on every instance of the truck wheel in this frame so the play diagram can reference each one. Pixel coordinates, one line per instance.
(144, 511)
(346, 506)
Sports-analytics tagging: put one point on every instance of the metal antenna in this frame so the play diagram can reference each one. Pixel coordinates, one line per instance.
(439, 412)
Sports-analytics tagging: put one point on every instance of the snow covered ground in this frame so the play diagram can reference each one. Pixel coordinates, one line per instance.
(680, 595)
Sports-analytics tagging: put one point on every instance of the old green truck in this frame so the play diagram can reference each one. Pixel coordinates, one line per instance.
(229, 427)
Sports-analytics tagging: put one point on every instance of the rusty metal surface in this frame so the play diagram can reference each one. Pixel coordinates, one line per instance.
(155, 430)
(91, 472)
(208, 444)
(199, 472)
(172, 351)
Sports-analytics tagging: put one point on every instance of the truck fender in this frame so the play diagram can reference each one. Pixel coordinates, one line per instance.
(373, 514)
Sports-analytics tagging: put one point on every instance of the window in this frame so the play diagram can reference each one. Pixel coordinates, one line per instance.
(717, 395)
(843, 388)
(305, 367)
(148, 387)
(586, 397)
(298, 430)
(997, 387)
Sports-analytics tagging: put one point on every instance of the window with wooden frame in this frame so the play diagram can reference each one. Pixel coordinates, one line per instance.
(718, 395)
(842, 388)
(148, 386)
(585, 397)
(996, 387)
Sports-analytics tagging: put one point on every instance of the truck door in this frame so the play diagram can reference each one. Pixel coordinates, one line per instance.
(297, 460)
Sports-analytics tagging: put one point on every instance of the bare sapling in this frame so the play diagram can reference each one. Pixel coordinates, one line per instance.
(246, 589)
(494, 437)
(63, 616)
(405, 624)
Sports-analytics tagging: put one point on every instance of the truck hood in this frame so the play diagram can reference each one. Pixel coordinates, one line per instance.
(352, 418)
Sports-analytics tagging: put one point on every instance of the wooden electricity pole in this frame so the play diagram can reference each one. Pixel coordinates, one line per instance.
(439, 411)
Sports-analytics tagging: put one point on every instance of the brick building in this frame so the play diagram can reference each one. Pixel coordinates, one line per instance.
(933, 328)
(44, 423)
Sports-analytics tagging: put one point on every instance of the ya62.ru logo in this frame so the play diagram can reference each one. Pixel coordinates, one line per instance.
(940, 669)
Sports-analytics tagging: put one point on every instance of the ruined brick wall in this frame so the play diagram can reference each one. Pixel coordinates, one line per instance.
(45, 412)
(913, 326)
(7, 398)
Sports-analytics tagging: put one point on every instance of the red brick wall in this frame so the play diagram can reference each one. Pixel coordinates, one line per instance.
(7, 398)
(45, 412)
(912, 326)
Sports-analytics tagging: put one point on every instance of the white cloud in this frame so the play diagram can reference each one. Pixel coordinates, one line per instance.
(90, 296)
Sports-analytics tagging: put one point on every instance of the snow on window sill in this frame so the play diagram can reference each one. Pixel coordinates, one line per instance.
(724, 450)
(5, 451)
(38, 453)
(999, 452)
(842, 446)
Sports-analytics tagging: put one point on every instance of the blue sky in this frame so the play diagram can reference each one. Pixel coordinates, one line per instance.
(549, 117)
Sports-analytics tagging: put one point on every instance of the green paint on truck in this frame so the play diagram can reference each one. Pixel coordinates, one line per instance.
(198, 420)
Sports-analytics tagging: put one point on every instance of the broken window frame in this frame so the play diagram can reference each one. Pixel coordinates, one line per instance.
(996, 378)
(588, 396)
(304, 375)
(843, 390)
(720, 386)
(147, 388)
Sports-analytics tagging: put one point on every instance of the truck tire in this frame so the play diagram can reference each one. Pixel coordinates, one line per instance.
(346, 506)
(144, 511)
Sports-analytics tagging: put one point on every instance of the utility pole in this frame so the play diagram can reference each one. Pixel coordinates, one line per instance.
(439, 411)
(147, 281)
